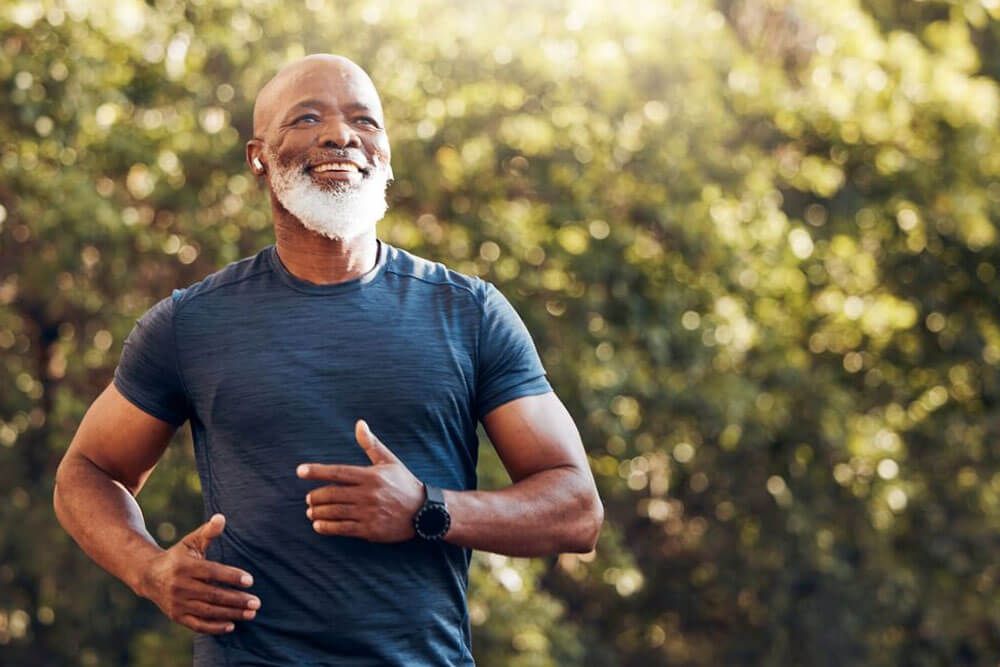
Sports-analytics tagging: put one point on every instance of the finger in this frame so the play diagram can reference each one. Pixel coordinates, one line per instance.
(199, 538)
(344, 495)
(343, 474)
(347, 528)
(207, 627)
(211, 612)
(334, 512)
(375, 448)
(208, 570)
(220, 597)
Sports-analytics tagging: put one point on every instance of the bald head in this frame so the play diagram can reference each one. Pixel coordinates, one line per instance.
(308, 76)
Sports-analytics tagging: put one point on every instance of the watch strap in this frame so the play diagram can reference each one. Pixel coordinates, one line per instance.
(434, 494)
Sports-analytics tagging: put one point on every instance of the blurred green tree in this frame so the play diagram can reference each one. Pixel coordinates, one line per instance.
(755, 241)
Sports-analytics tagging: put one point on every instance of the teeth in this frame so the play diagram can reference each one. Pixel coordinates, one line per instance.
(336, 166)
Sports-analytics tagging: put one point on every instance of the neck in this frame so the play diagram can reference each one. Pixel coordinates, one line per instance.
(318, 259)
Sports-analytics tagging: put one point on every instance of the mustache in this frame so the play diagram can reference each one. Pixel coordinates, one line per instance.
(332, 155)
(303, 165)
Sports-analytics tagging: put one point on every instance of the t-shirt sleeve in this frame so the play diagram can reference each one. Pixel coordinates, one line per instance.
(147, 373)
(509, 366)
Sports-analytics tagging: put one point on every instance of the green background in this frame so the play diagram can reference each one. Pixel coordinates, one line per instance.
(755, 242)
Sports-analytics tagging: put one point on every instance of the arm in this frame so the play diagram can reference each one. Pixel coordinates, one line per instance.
(552, 505)
(110, 458)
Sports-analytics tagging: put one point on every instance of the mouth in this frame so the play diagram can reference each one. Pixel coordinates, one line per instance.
(338, 168)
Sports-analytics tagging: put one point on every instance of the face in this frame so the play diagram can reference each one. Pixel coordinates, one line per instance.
(324, 146)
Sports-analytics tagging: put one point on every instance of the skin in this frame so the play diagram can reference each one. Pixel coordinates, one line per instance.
(551, 506)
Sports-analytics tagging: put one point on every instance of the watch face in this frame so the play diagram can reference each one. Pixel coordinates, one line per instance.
(433, 521)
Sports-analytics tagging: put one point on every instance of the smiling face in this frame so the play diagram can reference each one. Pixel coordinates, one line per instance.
(319, 136)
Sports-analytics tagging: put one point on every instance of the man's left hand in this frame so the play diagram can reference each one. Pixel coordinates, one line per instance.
(375, 502)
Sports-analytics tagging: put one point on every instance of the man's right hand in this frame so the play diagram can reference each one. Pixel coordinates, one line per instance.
(183, 584)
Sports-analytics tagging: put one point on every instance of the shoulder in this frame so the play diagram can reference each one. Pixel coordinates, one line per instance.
(407, 266)
(231, 275)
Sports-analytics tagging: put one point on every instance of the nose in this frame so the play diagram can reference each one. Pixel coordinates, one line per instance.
(338, 134)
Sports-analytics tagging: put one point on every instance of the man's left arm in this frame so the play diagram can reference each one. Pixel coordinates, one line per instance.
(552, 505)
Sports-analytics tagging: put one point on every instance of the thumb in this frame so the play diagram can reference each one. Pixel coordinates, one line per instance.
(199, 538)
(377, 452)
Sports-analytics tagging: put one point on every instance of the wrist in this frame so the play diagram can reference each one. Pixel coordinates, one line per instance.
(137, 577)
(432, 520)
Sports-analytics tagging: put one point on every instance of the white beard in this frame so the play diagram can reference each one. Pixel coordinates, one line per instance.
(342, 213)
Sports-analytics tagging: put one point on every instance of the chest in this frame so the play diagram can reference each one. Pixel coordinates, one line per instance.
(314, 368)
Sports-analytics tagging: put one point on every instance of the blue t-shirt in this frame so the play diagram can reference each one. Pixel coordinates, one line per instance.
(273, 371)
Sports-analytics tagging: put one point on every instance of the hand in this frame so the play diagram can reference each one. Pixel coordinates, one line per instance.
(181, 583)
(375, 502)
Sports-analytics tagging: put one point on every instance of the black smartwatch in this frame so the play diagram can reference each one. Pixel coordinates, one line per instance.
(432, 520)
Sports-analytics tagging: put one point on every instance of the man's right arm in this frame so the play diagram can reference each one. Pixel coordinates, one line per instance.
(112, 454)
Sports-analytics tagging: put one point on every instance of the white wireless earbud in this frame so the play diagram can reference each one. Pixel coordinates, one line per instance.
(257, 163)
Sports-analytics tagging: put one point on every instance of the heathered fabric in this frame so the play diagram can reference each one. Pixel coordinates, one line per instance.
(273, 371)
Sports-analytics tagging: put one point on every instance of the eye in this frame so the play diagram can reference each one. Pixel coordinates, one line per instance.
(307, 117)
(367, 120)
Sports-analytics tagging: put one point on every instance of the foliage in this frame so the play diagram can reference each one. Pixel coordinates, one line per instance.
(755, 240)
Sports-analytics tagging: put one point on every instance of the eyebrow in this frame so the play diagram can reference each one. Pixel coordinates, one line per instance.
(313, 102)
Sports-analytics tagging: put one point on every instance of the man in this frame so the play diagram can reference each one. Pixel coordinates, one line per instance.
(333, 384)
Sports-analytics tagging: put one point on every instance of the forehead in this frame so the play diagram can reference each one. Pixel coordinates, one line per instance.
(331, 83)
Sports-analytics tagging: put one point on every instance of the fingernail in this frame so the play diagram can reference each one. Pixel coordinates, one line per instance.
(302, 470)
(309, 512)
(229, 628)
(253, 604)
(250, 613)
(246, 580)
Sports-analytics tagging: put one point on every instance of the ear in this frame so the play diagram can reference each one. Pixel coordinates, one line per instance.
(254, 154)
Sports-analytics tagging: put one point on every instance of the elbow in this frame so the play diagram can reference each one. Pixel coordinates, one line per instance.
(59, 487)
(587, 529)
(67, 484)
(596, 522)
(57, 505)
